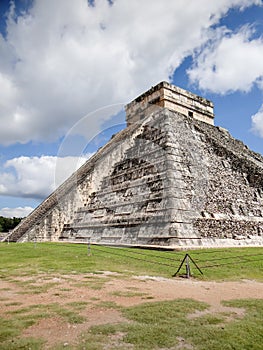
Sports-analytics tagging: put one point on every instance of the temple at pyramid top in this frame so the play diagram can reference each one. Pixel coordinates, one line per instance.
(173, 98)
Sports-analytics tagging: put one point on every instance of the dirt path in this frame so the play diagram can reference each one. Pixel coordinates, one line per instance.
(110, 288)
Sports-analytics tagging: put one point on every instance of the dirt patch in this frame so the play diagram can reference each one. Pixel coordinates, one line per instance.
(99, 296)
(57, 330)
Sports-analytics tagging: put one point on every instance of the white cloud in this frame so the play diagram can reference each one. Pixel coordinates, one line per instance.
(60, 61)
(34, 177)
(257, 122)
(19, 212)
(232, 61)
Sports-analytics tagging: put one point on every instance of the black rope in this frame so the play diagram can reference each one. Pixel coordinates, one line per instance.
(203, 251)
(231, 257)
(230, 263)
(242, 258)
(131, 257)
(146, 254)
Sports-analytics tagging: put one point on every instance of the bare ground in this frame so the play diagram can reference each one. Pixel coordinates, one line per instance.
(96, 289)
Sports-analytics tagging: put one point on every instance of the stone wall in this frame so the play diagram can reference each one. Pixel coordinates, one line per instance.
(168, 96)
(233, 206)
(168, 180)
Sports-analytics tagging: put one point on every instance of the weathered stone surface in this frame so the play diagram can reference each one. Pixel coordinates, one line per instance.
(173, 98)
(167, 180)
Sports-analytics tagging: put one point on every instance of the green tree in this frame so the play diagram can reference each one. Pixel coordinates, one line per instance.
(7, 224)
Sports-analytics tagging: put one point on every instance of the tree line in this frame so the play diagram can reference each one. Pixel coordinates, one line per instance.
(7, 224)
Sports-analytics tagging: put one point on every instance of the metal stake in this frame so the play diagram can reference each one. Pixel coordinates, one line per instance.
(187, 265)
(89, 251)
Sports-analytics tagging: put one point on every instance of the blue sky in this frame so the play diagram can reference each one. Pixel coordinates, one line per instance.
(67, 68)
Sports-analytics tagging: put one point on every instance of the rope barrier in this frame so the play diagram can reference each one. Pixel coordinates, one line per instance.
(152, 255)
(203, 251)
(132, 257)
(229, 263)
(230, 257)
(112, 250)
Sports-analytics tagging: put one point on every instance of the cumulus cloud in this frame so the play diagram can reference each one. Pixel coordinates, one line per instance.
(230, 62)
(34, 177)
(257, 122)
(60, 61)
(19, 212)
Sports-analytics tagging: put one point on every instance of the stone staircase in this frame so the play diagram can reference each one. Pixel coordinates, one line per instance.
(74, 180)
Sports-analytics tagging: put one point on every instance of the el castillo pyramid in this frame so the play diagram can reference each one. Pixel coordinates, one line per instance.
(170, 178)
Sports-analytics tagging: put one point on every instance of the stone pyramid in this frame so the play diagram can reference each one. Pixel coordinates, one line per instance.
(171, 178)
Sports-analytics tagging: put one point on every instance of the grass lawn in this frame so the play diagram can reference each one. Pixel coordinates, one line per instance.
(162, 325)
(216, 264)
(165, 325)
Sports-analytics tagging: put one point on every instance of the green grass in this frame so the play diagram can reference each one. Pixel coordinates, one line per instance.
(15, 321)
(27, 260)
(231, 263)
(95, 283)
(22, 344)
(108, 305)
(70, 312)
(11, 328)
(78, 305)
(13, 303)
(128, 294)
(152, 325)
(166, 325)
(30, 288)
